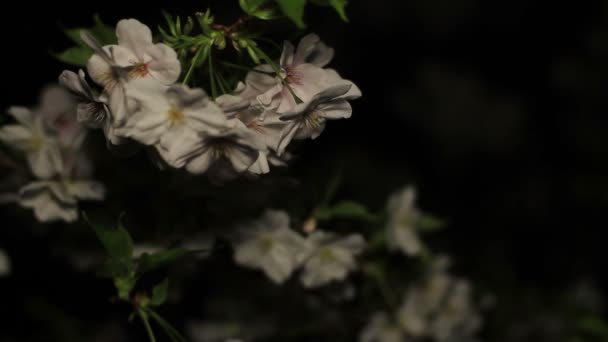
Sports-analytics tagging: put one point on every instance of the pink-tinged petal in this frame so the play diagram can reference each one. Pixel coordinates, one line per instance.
(134, 35)
(60, 193)
(23, 115)
(86, 190)
(259, 81)
(287, 135)
(122, 56)
(178, 145)
(287, 101)
(117, 102)
(332, 78)
(163, 64)
(321, 56)
(266, 99)
(201, 163)
(339, 109)
(16, 136)
(260, 166)
(241, 158)
(287, 54)
(305, 47)
(46, 162)
(37, 196)
(100, 71)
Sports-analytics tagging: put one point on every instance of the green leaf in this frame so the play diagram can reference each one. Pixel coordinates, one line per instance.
(77, 55)
(148, 262)
(116, 241)
(159, 293)
(339, 5)
(595, 327)
(345, 209)
(105, 34)
(259, 9)
(294, 10)
(428, 223)
(124, 285)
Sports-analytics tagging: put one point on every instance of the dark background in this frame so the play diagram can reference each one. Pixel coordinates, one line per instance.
(495, 110)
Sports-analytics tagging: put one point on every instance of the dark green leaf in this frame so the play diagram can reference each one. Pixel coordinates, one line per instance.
(116, 241)
(148, 262)
(105, 34)
(124, 285)
(294, 10)
(428, 223)
(77, 55)
(347, 210)
(159, 293)
(339, 5)
(594, 326)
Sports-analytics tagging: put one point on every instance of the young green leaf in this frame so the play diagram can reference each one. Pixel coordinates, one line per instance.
(345, 210)
(294, 10)
(428, 223)
(159, 293)
(339, 5)
(116, 241)
(76, 55)
(149, 262)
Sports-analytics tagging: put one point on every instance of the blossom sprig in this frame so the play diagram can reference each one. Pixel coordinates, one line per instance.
(126, 268)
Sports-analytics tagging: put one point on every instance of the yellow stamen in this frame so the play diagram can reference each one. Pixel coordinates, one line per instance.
(175, 115)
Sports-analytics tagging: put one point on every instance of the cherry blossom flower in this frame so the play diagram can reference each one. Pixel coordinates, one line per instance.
(401, 226)
(332, 258)
(57, 200)
(237, 146)
(92, 110)
(135, 57)
(308, 119)
(270, 245)
(302, 75)
(170, 118)
(32, 136)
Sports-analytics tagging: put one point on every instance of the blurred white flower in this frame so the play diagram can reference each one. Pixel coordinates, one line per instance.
(303, 74)
(332, 257)
(58, 108)
(270, 245)
(32, 136)
(307, 120)
(401, 233)
(381, 329)
(458, 318)
(5, 264)
(57, 200)
(440, 308)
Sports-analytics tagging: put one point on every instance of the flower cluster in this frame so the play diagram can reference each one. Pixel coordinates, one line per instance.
(271, 245)
(440, 308)
(50, 138)
(242, 132)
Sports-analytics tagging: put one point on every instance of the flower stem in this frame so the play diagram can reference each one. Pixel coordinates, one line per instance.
(201, 51)
(212, 76)
(144, 319)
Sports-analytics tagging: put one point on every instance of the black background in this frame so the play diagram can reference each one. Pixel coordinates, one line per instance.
(495, 110)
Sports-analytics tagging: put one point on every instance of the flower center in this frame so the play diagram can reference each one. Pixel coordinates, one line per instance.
(293, 76)
(139, 70)
(313, 119)
(175, 115)
(35, 143)
(266, 244)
